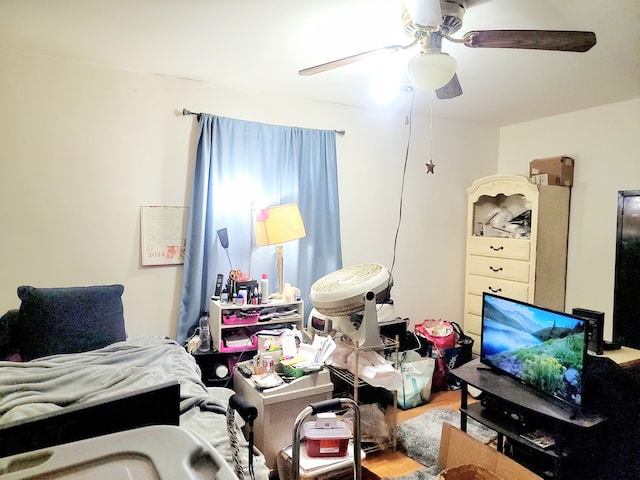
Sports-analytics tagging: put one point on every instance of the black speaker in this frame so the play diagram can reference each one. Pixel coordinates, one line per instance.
(595, 327)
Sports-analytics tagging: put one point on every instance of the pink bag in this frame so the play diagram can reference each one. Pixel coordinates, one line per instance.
(440, 333)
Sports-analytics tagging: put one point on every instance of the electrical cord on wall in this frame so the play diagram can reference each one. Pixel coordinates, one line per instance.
(408, 121)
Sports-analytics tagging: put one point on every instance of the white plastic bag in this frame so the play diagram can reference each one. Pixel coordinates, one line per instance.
(417, 375)
(374, 369)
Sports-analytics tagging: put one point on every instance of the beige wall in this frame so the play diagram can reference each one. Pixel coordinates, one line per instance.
(83, 147)
(604, 142)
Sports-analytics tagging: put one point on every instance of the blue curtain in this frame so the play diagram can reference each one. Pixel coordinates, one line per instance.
(241, 166)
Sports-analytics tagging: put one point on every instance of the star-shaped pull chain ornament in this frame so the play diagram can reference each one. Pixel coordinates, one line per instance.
(430, 166)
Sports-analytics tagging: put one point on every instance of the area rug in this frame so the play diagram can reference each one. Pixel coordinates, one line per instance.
(419, 439)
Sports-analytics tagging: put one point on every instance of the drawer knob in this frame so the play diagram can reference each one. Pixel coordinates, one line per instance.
(494, 269)
(495, 290)
(496, 249)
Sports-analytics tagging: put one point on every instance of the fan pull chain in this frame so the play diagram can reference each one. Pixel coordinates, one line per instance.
(430, 165)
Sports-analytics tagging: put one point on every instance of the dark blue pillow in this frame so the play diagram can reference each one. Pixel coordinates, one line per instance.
(69, 319)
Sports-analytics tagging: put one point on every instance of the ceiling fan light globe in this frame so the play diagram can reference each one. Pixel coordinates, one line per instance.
(432, 71)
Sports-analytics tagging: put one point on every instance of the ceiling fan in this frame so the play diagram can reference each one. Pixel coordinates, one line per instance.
(432, 20)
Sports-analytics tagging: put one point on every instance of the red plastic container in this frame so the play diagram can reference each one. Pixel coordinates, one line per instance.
(327, 442)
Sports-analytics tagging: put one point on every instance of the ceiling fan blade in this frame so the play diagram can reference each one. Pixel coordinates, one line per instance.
(426, 13)
(451, 90)
(348, 60)
(565, 41)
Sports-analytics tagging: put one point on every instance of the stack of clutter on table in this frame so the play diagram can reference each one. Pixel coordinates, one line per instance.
(282, 356)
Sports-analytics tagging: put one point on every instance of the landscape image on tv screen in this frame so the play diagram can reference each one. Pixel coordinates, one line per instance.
(542, 348)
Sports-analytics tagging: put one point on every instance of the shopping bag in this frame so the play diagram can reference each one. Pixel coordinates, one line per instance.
(449, 346)
(439, 333)
(456, 356)
(417, 376)
(462, 350)
(440, 380)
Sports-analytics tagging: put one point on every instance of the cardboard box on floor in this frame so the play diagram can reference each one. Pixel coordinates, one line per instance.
(457, 448)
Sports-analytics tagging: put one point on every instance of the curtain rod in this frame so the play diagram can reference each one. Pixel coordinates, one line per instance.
(187, 112)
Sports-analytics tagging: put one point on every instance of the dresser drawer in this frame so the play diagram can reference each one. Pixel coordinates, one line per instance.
(473, 304)
(477, 284)
(495, 267)
(472, 323)
(515, 248)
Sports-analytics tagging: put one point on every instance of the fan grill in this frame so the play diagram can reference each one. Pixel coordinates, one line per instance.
(342, 292)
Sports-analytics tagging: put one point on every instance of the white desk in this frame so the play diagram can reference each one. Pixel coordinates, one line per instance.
(278, 408)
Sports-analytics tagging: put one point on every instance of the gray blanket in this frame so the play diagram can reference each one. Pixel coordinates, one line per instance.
(52, 383)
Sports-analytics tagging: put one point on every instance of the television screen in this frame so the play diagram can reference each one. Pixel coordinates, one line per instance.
(540, 347)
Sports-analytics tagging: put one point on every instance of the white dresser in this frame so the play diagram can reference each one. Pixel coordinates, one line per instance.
(531, 267)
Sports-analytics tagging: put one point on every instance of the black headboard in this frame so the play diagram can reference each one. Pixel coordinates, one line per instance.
(157, 405)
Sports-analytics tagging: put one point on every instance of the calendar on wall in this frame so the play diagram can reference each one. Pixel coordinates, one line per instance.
(163, 235)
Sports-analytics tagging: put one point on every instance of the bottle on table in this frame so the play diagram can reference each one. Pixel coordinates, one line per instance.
(264, 289)
(205, 337)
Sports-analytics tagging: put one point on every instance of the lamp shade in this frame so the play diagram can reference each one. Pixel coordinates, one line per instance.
(431, 71)
(279, 224)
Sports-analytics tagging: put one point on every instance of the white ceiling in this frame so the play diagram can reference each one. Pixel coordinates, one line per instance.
(259, 46)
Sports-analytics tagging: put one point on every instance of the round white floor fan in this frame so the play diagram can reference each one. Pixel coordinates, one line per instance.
(351, 290)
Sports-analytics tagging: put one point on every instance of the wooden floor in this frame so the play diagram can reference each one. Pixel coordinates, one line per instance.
(394, 463)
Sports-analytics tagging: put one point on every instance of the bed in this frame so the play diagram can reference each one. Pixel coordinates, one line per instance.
(53, 364)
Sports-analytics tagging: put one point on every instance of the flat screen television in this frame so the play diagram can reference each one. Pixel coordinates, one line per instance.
(541, 348)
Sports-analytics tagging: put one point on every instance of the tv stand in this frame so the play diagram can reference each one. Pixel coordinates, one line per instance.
(563, 436)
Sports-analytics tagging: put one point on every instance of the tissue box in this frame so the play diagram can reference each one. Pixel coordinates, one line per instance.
(327, 442)
(552, 171)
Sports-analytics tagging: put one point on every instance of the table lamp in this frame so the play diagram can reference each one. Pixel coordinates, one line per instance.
(276, 225)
